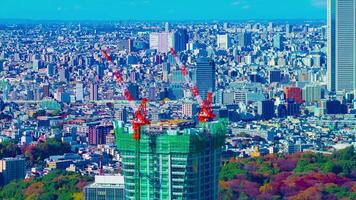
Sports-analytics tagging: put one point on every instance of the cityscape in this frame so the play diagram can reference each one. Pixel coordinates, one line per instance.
(242, 103)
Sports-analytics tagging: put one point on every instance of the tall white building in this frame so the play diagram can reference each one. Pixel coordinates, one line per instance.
(223, 41)
(341, 45)
(79, 92)
(161, 41)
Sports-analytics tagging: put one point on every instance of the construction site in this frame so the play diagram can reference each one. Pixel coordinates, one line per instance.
(173, 159)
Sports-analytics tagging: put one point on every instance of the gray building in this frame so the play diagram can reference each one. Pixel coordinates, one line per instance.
(105, 188)
(341, 45)
(205, 76)
(245, 39)
(12, 169)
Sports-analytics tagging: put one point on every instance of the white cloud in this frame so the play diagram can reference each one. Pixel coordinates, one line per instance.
(319, 3)
(236, 3)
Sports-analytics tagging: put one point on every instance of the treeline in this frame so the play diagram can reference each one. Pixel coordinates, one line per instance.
(57, 185)
(35, 154)
(294, 177)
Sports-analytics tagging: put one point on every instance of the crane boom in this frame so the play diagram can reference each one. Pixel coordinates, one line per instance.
(139, 121)
(206, 112)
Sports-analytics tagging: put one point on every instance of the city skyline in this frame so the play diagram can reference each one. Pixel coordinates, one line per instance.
(157, 10)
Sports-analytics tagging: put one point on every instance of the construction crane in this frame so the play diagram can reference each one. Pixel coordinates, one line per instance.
(206, 112)
(139, 120)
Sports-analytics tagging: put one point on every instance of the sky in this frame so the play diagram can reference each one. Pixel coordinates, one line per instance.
(163, 9)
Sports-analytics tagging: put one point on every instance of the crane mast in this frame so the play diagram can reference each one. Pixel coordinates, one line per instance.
(139, 120)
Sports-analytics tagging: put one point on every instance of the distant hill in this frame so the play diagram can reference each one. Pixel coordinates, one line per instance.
(297, 176)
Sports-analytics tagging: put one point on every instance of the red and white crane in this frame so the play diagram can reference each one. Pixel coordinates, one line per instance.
(206, 112)
(139, 120)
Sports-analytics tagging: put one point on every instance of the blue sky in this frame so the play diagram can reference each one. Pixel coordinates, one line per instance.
(162, 9)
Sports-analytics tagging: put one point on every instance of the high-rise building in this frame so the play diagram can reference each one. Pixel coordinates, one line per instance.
(161, 41)
(105, 187)
(311, 93)
(293, 94)
(12, 169)
(79, 92)
(166, 27)
(275, 76)
(45, 90)
(51, 69)
(341, 45)
(190, 109)
(289, 28)
(266, 109)
(245, 39)
(205, 76)
(134, 90)
(93, 92)
(176, 160)
(97, 133)
(277, 42)
(223, 41)
(180, 38)
(64, 75)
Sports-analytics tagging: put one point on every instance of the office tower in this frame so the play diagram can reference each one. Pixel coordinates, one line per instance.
(93, 92)
(45, 90)
(175, 160)
(166, 27)
(99, 70)
(293, 108)
(335, 107)
(121, 114)
(79, 92)
(161, 41)
(180, 38)
(266, 109)
(63, 75)
(311, 93)
(341, 45)
(35, 64)
(274, 76)
(289, 28)
(51, 69)
(134, 90)
(190, 109)
(316, 58)
(270, 27)
(205, 76)
(226, 25)
(223, 41)
(97, 133)
(245, 39)
(166, 71)
(278, 42)
(12, 169)
(293, 94)
(105, 187)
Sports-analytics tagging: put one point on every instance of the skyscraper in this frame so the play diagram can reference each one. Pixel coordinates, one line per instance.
(223, 41)
(277, 41)
(245, 39)
(79, 93)
(205, 76)
(341, 45)
(180, 39)
(161, 41)
(93, 92)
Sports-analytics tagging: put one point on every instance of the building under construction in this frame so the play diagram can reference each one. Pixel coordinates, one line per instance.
(177, 160)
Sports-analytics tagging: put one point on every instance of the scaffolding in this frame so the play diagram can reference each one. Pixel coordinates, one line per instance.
(180, 163)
